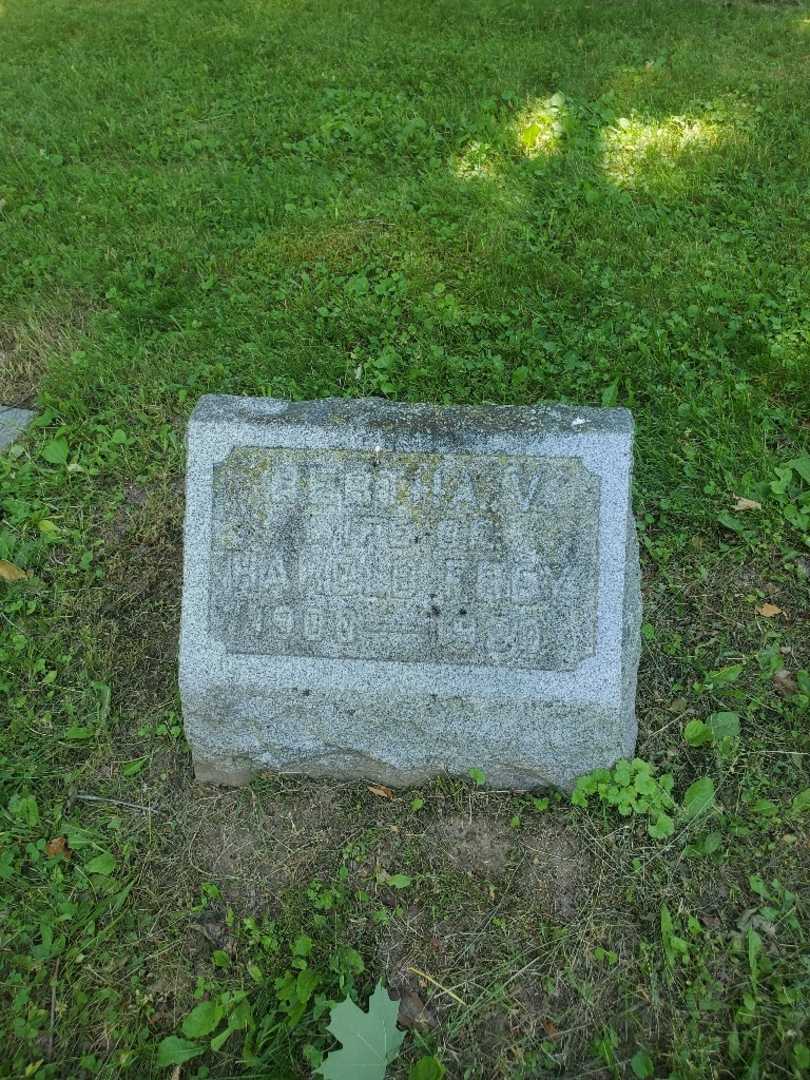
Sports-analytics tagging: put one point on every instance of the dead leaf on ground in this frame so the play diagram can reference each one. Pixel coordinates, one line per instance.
(176, 1072)
(551, 1029)
(10, 572)
(381, 790)
(769, 611)
(57, 846)
(413, 1013)
(745, 504)
(784, 683)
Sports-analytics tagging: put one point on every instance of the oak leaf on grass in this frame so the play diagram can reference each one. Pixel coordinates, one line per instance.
(371, 1040)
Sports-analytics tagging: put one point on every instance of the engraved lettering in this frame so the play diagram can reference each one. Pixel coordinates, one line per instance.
(284, 483)
(454, 574)
(358, 489)
(404, 576)
(491, 581)
(405, 557)
(314, 624)
(459, 633)
(344, 626)
(522, 488)
(528, 584)
(283, 619)
(464, 495)
(386, 487)
(273, 572)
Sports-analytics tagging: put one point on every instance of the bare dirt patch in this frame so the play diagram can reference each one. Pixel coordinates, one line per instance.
(139, 617)
(558, 869)
(254, 849)
(478, 846)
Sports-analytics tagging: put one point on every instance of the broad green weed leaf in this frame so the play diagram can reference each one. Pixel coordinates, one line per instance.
(801, 802)
(102, 864)
(641, 1064)
(305, 984)
(644, 784)
(579, 796)
(398, 881)
(801, 465)
(730, 522)
(529, 135)
(662, 827)
(698, 797)
(219, 1041)
(370, 1039)
(724, 725)
(758, 886)
(25, 808)
(724, 676)
(427, 1068)
(241, 1017)
(302, 946)
(766, 808)
(132, 768)
(696, 733)
(712, 843)
(175, 1051)
(56, 451)
(78, 733)
(621, 772)
(478, 775)
(203, 1019)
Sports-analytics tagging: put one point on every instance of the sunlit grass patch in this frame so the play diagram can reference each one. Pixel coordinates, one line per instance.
(475, 162)
(541, 127)
(637, 152)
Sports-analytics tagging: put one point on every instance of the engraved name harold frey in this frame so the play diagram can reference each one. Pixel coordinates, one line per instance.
(415, 557)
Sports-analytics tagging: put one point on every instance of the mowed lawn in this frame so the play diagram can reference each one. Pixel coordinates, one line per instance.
(478, 201)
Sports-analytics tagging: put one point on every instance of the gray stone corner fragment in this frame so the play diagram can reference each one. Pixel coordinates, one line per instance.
(389, 592)
(13, 422)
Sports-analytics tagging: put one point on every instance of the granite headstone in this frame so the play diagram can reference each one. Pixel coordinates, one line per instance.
(389, 592)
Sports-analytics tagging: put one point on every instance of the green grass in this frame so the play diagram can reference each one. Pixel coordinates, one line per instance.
(456, 202)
